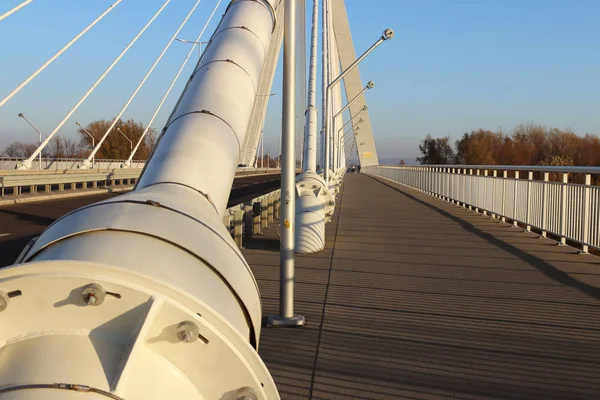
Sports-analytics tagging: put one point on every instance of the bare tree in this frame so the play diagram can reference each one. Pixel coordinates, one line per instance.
(19, 150)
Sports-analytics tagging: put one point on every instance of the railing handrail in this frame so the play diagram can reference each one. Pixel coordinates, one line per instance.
(535, 168)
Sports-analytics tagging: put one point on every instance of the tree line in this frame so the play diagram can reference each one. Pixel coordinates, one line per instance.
(115, 147)
(527, 144)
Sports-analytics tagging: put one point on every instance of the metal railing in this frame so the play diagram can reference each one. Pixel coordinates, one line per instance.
(16, 183)
(562, 208)
(251, 217)
(58, 164)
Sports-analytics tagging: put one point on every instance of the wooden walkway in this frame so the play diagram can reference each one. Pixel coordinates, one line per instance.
(415, 298)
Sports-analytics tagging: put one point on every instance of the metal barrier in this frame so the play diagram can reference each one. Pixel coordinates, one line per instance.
(246, 219)
(568, 210)
(13, 182)
(60, 164)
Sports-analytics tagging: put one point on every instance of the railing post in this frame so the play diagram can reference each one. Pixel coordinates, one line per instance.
(586, 213)
(238, 216)
(515, 223)
(485, 180)
(504, 177)
(495, 174)
(545, 203)
(227, 220)
(264, 214)
(563, 209)
(453, 190)
(256, 212)
(276, 206)
(528, 216)
(248, 220)
(464, 188)
(477, 172)
(270, 209)
(471, 189)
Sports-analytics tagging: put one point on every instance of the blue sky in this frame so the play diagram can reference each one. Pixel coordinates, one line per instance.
(454, 65)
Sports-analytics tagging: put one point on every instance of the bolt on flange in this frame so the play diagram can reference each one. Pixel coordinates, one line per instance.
(188, 331)
(93, 294)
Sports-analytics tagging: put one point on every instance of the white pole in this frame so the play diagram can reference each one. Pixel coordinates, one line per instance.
(137, 89)
(129, 140)
(26, 164)
(93, 141)
(326, 112)
(14, 9)
(40, 136)
(162, 101)
(310, 141)
(58, 54)
(286, 315)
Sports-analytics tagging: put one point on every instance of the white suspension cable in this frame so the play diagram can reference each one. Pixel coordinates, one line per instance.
(196, 43)
(15, 9)
(26, 164)
(58, 54)
(137, 89)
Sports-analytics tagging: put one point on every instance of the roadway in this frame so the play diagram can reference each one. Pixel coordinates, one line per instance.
(19, 223)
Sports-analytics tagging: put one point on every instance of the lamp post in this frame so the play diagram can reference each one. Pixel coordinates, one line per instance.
(387, 34)
(193, 42)
(370, 85)
(39, 132)
(93, 142)
(125, 136)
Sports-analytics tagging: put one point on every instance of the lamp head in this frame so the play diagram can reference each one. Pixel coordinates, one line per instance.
(370, 85)
(365, 108)
(21, 115)
(387, 34)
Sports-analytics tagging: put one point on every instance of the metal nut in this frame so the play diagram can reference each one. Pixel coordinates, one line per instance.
(188, 331)
(3, 301)
(246, 393)
(93, 294)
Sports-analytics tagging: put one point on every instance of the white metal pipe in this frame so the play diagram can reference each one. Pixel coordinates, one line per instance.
(58, 54)
(127, 163)
(14, 9)
(370, 85)
(40, 137)
(125, 136)
(140, 85)
(310, 141)
(146, 293)
(26, 164)
(327, 108)
(336, 100)
(324, 77)
(90, 135)
(288, 167)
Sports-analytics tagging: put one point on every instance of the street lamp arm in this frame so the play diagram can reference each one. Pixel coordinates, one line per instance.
(370, 85)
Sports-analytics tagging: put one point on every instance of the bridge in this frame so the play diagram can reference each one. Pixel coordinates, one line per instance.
(177, 276)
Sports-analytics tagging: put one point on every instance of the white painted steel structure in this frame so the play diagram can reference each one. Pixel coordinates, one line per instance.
(570, 211)
(146, 295)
